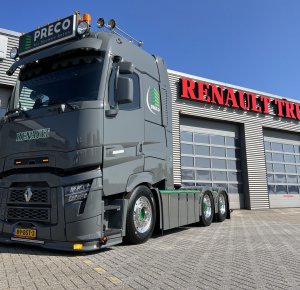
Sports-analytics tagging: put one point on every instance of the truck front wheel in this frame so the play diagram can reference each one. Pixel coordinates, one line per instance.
(141, 215)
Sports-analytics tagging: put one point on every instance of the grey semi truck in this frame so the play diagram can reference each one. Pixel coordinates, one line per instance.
(86, 143)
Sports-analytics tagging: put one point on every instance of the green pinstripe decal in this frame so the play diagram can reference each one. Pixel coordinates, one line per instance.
(179, 191)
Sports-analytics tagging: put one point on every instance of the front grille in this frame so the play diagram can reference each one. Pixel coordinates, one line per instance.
(37, 208)
(29, 214)
(39, 195)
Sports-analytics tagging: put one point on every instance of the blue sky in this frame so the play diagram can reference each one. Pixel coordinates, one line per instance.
(250, 43)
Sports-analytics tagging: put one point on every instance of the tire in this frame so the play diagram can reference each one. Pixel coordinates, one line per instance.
(222, 207)
(141, 215)
(207, 210)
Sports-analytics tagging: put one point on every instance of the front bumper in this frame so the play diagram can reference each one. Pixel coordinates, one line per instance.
(55, 245)
(58, 225)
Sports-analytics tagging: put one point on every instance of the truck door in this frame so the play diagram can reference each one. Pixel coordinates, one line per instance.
(155, 146)
(123, 138)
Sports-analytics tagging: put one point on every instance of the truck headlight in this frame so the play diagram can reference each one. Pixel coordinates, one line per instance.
(83, 27)
(77, 192)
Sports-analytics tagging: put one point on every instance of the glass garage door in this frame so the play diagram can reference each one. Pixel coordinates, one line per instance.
(212, 158)
(283, 172)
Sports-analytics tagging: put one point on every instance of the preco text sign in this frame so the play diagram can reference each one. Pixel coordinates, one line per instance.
(47, 35)
(223, 96)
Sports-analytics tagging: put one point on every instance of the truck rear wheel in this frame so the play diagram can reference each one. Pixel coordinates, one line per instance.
(141, 215)
(207, 210)
(222, 207)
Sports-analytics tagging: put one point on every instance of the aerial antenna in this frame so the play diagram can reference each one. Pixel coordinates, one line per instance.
(112, 25)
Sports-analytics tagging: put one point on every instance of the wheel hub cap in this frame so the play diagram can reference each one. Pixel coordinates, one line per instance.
(222, 205)
(142, 214)
(207, 207)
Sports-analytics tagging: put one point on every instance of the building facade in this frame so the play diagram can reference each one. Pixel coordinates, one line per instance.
(8, 39)
(223, 135)
(244, 140)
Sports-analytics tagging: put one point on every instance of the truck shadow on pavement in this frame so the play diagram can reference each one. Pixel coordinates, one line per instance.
(160, 233)
(24, 249)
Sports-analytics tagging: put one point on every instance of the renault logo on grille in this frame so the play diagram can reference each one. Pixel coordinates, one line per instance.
(28, 194)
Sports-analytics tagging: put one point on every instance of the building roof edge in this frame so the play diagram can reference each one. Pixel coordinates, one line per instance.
(10, 32)
(174, 72)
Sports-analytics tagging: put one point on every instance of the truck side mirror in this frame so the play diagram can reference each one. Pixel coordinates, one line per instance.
(124, 92)
(126, 67)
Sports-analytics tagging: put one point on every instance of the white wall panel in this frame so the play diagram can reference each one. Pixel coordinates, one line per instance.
(13, 41)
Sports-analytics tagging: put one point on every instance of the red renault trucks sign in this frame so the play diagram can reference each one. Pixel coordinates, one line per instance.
(227, 97)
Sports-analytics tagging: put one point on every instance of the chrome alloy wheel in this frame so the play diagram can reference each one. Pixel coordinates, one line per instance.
(207, 206)
(222, 204)
(142, 214)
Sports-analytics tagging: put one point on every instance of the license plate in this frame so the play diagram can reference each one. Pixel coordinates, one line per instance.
(25, 233)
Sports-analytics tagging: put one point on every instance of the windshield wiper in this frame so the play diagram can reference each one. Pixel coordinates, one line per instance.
(61, 102)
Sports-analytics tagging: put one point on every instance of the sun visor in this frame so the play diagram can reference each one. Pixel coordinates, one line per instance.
(92, 43)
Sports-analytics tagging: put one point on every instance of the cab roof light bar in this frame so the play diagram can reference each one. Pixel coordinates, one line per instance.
(112, 26)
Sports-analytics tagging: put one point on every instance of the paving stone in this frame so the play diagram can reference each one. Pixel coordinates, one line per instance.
(254, 250)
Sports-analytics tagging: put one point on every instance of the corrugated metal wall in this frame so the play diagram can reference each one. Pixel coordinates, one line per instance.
(251, 123)
(256, 164)
(13, 41)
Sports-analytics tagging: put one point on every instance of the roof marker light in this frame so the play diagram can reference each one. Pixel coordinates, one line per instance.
(87, 17)
(100, 22)
(112, 24)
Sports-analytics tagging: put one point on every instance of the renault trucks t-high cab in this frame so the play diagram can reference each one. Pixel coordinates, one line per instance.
(86, 143)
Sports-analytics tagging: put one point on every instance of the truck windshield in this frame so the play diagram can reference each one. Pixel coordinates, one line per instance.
(69, 79)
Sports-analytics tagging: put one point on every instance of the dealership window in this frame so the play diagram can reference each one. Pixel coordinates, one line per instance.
(283, 166)
(211, 159)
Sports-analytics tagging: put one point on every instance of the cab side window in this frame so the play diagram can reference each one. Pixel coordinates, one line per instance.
(136, 104)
